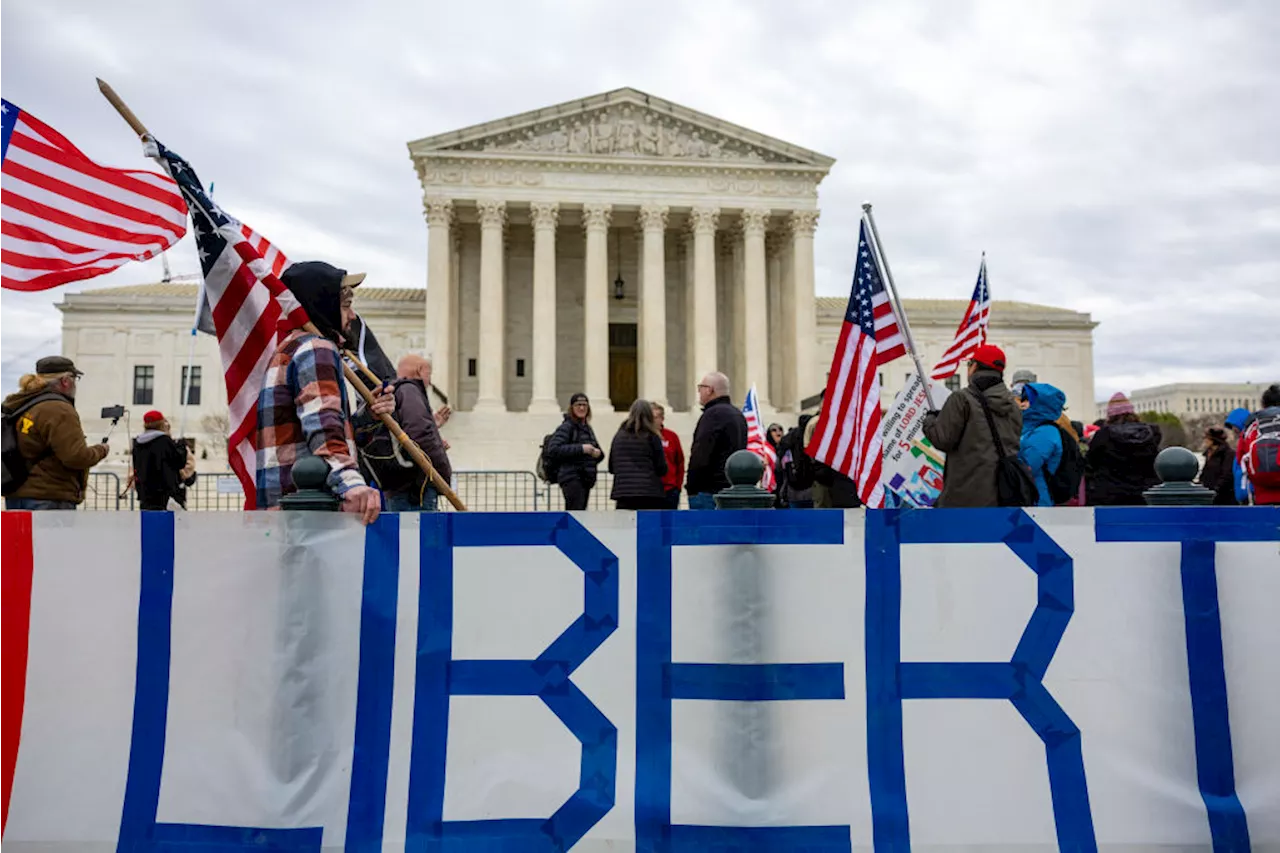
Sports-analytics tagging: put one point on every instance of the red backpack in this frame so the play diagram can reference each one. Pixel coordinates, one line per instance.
(1263, 460)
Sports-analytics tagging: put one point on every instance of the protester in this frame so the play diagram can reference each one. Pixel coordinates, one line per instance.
(1218, 461)
(1236, 421)
(1259, 450)
(721, 430)
(831, 489)
(575, 453)
(794, 470)
(960, 430)
(1120, 464)
(302, 409)
(673, 480)
(1041, 440)
(637, 461)
(162, 466)
(49, 461)
(774, 436)
(406, 486)
(1021, 378)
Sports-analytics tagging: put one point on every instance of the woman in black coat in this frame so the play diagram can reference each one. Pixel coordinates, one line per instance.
(576, 453)
(1120, 464)
(637, 461)
(1216, 473)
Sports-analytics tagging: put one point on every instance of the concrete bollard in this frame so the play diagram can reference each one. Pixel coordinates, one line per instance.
(743, 470)
(309, 475)
(1177, 467)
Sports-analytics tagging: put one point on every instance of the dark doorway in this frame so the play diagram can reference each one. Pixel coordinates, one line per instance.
(622, 365)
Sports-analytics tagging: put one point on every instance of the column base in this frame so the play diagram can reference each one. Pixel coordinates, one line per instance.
(544, 407)
(490, 405)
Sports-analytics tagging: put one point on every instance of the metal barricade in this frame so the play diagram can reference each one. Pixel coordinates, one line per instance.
(103, 493)
(498, 491)
(217, 492)
(597, 499)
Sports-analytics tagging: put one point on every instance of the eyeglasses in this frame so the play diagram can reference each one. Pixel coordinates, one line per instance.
(700, 387)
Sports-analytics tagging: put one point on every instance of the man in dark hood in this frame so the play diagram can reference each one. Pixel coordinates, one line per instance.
(302, 408)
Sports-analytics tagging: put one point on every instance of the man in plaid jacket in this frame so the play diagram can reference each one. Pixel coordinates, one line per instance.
(302, 408)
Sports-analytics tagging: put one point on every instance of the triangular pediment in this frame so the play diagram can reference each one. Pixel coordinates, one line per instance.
(622, 124)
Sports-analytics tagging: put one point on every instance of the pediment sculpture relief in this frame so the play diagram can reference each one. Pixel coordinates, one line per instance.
(626, 132)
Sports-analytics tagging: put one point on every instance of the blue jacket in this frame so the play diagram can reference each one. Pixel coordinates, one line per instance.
(1238, 418)
(1041, 441)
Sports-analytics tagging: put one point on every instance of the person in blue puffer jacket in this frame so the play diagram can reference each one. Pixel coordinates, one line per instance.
(1041, 445)
(1236, 421)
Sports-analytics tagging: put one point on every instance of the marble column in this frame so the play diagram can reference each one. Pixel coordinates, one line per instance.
(493, 321)
(690, 328)
(755, 308)
(440, 341)
(595, 306)
(545, 216)
(704, 220)
(450, 385)
(773, 262)
(653, 305)
(738, 341)
(804, 327)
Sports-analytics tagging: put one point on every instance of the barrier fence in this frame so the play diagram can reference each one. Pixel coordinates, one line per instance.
(481, 491)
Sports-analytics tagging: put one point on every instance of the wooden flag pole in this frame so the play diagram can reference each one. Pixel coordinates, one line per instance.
(414, 450)
(897, 303)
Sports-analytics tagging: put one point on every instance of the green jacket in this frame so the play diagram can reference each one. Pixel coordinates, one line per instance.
(53, 425)
(960, 430)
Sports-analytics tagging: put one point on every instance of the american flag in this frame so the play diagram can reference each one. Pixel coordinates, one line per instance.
(251, 311)
(847, 434)
(66, 218)
(757, 441)
(973, 328)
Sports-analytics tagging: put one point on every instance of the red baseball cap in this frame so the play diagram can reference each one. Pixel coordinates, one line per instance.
(989, 355)
(152, 417)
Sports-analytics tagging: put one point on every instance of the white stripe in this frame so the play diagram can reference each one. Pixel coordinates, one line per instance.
(92, 214)
(23, 274)
(842, 377)
(32, 249)
(854, 427)
(84, 239)
(95, 185)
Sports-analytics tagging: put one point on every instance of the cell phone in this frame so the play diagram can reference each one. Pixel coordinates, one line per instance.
(113, 412)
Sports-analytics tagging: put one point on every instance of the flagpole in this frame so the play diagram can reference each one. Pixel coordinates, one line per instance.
(394, 428)
(191, 357)
(897, 303)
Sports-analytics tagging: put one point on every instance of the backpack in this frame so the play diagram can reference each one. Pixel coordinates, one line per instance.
(1015, 485)
(546, 468)
(799, 466)
(1263, 461)
(17, 468)
(1064, 483)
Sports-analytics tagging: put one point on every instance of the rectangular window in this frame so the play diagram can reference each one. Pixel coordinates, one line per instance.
(193, 389)
(144, 384)
(471, 367)
(519, 367)
(953, 382)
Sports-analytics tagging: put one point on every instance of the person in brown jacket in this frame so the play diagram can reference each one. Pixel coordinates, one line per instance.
(960, 430)
(51, 439)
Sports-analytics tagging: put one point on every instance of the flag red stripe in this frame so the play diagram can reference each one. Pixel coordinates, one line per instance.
(260, 337)
(15, 629)
(91, 199)
(54, 279)
(34, 235)
(76, 223)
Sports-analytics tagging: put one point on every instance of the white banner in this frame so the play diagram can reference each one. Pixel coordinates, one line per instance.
(912, 466)
(986, 680)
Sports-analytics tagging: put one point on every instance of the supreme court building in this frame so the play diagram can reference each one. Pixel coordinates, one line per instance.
(619, 245)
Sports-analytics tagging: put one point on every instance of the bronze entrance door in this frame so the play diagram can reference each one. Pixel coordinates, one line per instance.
(623, 365)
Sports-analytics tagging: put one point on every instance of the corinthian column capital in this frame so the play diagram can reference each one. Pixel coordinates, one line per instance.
(704, 219)
(803, 222)
(596, 217)
(755, 220)
(545, 214)
(653, 217)
(493, 213)
(438, 210)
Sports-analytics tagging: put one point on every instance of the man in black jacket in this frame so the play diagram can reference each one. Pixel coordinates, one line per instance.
(720, 431)
(401, 480)
(162, 466)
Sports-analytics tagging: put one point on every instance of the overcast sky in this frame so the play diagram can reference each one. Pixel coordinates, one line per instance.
(1116, 158)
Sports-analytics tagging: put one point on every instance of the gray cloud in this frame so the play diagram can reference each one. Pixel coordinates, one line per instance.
(1111, 158)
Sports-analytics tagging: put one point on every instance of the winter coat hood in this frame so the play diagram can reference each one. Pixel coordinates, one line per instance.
(1046, 406)
(1237, 418)
(1136, 435)
(149, 435)
(318, 287)
(17, 398)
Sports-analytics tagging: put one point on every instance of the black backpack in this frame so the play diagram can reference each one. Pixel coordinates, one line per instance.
(1015, 485)
(546, 468)
(1064, 483)
(17, 468)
